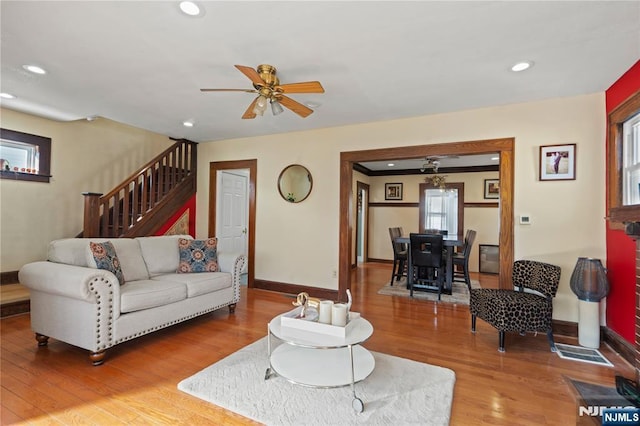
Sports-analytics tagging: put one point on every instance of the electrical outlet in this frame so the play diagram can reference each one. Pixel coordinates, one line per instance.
(334, 274)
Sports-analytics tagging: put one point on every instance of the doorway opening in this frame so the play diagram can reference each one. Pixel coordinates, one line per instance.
(362, 223)
(505, 148)
(221, 205)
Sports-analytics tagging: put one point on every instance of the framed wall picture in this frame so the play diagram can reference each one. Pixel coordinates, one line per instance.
(491, 189)
(558, 162)
(393, 191)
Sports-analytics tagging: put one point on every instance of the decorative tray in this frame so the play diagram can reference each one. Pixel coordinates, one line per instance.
(291, 320)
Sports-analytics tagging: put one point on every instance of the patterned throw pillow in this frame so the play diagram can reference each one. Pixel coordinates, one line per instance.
(105, 257)
(198, 255)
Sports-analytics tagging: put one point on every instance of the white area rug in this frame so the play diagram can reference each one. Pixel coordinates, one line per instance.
(398, 392)
(459, 295)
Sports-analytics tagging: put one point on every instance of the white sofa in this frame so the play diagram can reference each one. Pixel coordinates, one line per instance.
(88, 307)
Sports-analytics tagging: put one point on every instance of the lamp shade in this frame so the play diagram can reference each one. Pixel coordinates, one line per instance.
(261, 105)
(589, 280)
(276, 108)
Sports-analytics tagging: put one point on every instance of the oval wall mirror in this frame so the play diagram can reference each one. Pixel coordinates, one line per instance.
(295, 183)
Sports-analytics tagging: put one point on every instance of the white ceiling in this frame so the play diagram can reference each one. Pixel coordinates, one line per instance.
(143, 62)
(444, 162)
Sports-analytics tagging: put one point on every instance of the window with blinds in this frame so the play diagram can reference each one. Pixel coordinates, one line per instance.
(441, 210)
(631, 161)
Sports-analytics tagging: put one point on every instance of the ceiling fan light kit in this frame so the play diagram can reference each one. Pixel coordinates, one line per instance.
(276, 108)
(267, 85)
(260, 105)
(430, 164)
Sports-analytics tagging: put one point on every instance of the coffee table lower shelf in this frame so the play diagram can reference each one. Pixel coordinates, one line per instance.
(321, 368)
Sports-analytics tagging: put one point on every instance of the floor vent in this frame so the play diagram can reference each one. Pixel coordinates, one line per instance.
(579, 353)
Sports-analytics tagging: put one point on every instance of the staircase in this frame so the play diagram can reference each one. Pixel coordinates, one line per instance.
(144, 202)
(14, 299)
(139, 206)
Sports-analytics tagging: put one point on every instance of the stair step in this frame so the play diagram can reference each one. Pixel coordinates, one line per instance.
(14, 300)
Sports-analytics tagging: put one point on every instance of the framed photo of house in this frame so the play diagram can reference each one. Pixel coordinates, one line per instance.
(491, 189)
(393, 191)
(558, 162)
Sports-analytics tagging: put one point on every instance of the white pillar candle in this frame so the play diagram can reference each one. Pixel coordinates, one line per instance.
(339, 314)
(325, 311)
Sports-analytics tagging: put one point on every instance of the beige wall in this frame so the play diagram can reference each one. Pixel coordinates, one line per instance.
(484, 220)
(85, 157)
(298, 243)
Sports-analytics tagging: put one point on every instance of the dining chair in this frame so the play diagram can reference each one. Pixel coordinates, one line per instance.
(426, 262)
(518, 310)
(400, 255)
(461, 260)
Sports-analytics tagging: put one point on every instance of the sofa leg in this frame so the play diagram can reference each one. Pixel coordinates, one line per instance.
(232, 308)
(42, 339)
(473, 323)
(97, 358)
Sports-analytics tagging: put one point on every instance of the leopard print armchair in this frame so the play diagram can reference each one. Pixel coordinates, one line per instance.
(518, 310)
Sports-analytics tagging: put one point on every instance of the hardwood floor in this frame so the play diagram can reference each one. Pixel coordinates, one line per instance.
(527, 385)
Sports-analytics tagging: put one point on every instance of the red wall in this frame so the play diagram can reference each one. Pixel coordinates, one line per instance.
(191, 205)
(621, 262)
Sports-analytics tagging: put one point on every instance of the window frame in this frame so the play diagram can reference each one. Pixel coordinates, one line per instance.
(44, 147)
(617, 211)
(631, 158)
(459, 186)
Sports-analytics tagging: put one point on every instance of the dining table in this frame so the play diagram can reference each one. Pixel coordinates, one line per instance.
(450, 242)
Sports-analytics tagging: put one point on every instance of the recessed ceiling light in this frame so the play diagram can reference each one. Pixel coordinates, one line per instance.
(34, 69)
(7, 96)
(391, 164)
(187, 124)
(521, 66)
(189, 8)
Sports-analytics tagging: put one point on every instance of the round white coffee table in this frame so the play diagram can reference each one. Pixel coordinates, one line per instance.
(321, 360)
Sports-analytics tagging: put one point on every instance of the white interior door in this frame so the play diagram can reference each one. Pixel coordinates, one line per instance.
(232, 211)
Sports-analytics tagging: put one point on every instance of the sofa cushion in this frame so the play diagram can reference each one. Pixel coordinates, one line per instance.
(197, 284)
(70, 251)
(103, 256)
(75, 251)
(161, 254)
(145, 294)
(198, 255)
(133, 266)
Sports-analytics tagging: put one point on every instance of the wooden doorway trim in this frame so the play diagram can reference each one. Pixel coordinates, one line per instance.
(504, 147)
(252, 166)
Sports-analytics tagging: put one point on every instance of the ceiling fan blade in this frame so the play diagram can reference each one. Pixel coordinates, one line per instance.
(251, 74)
(294, 106)
(229, 90)
(248, 114)
(305, 87)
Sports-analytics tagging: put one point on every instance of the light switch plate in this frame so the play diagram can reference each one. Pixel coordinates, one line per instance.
(525, 219)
